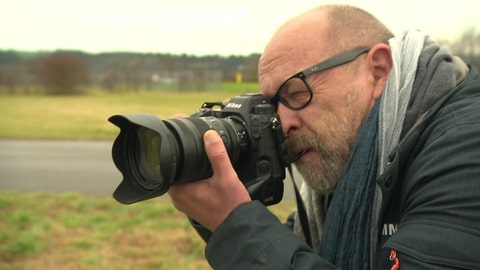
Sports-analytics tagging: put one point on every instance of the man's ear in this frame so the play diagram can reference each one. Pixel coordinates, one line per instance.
(380, 63)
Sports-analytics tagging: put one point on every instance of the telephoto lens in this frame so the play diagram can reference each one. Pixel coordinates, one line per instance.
(154, 154)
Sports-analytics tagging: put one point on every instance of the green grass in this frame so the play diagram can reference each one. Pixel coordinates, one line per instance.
(73, 231)
(85, 117)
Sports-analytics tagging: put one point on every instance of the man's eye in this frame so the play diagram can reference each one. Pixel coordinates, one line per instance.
(294, 95)
(298, 94)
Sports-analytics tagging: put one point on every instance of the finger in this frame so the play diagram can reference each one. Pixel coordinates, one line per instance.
(216, 152)
(179, 115)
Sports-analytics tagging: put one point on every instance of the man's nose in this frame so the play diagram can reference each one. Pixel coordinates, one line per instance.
(290, 120)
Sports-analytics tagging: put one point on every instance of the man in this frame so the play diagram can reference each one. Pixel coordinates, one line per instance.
(388, 130)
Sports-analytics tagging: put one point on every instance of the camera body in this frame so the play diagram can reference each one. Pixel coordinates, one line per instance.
(154, 154)
(261, 165)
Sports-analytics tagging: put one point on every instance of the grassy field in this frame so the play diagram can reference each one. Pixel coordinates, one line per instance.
(85, 117)
(74, 231)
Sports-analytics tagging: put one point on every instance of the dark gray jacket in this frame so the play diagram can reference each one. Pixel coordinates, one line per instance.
(429, 211)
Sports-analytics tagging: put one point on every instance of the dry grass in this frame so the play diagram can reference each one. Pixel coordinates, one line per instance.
(85, 117)
(73, 231)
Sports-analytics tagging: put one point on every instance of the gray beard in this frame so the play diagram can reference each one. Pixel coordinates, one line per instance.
(333, 150)
(321, 174)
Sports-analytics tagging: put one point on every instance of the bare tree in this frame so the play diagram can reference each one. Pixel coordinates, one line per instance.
(467, 46)
(109, 80)
(62, 74)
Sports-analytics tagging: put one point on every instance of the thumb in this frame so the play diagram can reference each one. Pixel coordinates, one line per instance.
(216, 152)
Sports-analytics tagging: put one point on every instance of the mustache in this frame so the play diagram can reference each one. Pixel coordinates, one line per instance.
(295, 149)
(301, 143)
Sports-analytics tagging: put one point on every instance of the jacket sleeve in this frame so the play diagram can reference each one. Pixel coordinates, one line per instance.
(203, 232)
(253, 238)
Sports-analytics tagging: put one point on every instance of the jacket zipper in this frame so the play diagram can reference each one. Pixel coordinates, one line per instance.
(394, 259)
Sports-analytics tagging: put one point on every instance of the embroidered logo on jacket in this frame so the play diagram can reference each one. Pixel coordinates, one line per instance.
(389, 229)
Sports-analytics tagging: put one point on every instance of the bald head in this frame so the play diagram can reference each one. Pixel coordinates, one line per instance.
(316, 35)
(350, 27)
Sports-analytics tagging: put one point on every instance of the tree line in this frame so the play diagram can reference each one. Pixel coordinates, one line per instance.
(71, 72)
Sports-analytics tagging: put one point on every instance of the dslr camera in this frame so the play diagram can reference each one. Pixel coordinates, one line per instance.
(154, 154)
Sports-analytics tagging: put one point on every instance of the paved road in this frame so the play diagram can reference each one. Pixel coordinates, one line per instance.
(64, 166)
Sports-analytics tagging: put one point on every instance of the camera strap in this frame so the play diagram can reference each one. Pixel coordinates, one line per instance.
(287, 161)
(301, 212)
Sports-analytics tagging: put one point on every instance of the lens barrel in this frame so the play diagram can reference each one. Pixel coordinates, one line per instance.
(154, 154)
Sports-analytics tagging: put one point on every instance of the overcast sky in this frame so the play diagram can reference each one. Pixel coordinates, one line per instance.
(198, 26)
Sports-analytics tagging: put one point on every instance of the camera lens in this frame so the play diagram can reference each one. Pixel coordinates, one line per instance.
(147, 152)
(154, 154)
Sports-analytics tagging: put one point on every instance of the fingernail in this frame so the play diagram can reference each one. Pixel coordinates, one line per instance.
(211, 136)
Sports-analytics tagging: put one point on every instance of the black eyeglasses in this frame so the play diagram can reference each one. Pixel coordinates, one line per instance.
(296, 93)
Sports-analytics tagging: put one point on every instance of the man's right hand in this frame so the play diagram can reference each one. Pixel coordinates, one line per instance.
(211, 200)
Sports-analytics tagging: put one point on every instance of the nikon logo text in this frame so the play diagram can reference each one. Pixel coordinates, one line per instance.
(234, 105)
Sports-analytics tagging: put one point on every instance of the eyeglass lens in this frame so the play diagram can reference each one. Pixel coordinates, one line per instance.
(294, 93)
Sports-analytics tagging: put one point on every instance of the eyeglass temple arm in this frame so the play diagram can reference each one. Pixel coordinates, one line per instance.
(336, 60)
